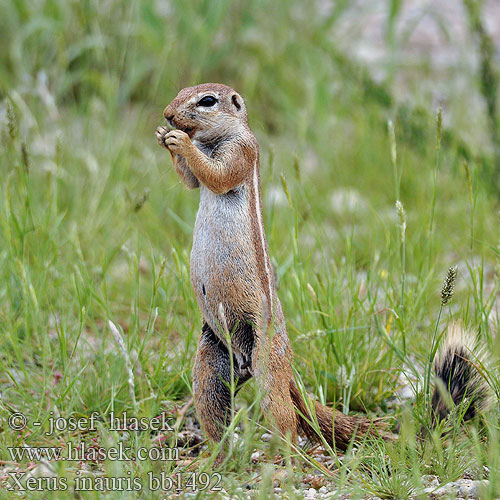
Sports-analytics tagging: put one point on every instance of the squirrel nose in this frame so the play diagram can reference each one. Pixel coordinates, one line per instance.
(169, 116)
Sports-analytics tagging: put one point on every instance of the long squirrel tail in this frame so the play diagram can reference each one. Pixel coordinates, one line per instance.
(460, 380)
(460, 376)
(336, 428)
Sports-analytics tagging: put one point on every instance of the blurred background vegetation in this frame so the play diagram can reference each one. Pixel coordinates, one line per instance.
(343, 97)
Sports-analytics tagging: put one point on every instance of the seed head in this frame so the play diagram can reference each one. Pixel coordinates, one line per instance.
(448, 285)
(402, 219)
(26, 157)
(392, 140)
(11, 121)
(439, 126)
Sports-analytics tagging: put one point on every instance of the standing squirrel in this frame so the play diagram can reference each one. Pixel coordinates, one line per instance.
(213, 148)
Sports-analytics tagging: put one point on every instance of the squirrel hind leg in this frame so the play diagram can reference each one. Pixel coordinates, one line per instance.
(273, 373)
(212, 382)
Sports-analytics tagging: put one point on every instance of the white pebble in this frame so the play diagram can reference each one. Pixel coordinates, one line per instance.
(310, 494)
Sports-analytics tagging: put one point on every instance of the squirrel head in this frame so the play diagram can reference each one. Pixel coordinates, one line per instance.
(207, 112)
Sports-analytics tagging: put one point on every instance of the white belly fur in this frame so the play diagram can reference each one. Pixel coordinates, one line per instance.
(223, 263)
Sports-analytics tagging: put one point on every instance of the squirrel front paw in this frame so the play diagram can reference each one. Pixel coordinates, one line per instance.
(161, 133)
(176, 141)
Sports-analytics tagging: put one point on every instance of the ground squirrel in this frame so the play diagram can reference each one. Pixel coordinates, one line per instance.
(213, 148)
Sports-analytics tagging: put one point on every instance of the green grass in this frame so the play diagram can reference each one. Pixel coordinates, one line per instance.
(95, 226)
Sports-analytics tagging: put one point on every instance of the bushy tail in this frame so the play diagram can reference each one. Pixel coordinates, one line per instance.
(460, 382)
(460, 376)
(338, 431)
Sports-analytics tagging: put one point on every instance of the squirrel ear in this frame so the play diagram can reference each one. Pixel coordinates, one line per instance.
(236, 102)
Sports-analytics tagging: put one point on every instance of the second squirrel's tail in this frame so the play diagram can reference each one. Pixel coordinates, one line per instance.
(459, 376)
(336, 428)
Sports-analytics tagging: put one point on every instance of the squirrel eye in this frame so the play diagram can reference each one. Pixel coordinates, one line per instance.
(207, 101)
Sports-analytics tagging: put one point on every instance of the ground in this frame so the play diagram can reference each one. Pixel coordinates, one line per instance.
(97, 315)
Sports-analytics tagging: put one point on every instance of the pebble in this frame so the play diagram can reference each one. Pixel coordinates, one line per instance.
(310, 494)
(473, 489)
(43, 469)
(463, 488)
(430, 481)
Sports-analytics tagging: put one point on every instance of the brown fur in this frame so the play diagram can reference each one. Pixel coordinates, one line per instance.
(214, 149)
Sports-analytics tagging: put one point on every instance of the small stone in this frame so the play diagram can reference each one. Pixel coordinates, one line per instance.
(44, 469)
(430, 481)
(266, 437)
(473, 489)
(468, 474)
(317, 482)
(464, 490)
(443, 491)
(310, 494)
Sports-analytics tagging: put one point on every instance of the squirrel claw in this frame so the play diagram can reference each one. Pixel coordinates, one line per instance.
(173, 140)
(176, 141)
(161, 133)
